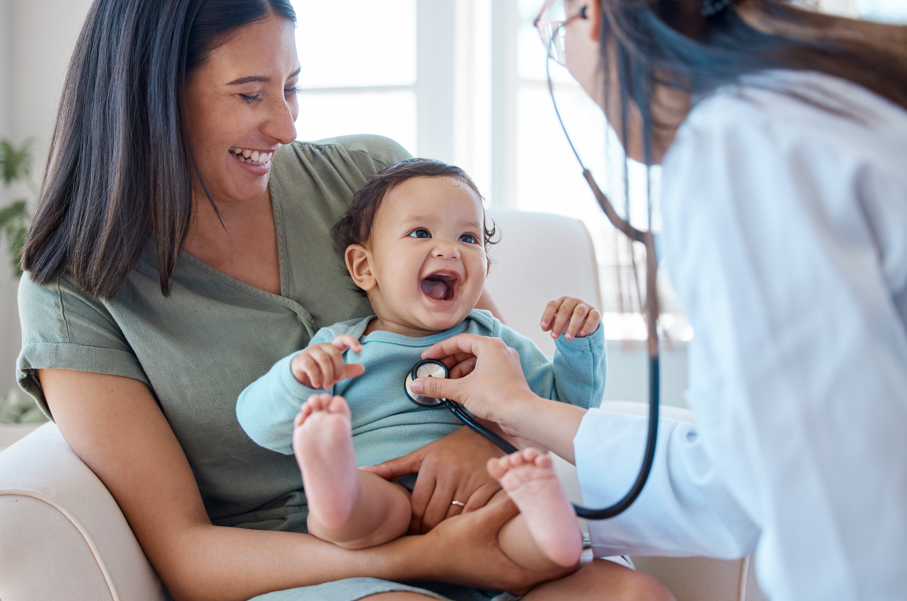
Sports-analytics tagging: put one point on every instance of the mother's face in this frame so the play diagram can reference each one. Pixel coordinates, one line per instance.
(243, 99)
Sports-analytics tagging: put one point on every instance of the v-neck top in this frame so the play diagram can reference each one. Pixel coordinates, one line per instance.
(200, 347)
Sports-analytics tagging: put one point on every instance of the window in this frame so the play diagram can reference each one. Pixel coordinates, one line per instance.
(464, 81)
(358, 74)
(887, 11)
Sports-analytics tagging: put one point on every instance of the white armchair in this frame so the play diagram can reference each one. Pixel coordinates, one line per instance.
(62, 536)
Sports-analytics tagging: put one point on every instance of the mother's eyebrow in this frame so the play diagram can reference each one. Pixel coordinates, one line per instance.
(260, 78)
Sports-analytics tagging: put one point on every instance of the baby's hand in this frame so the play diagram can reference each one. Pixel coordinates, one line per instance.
(570, 316)
(321, 365)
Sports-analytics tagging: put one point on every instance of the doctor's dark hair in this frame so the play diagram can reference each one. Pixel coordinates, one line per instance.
(670, 43)
(120, 168)
(355, 227)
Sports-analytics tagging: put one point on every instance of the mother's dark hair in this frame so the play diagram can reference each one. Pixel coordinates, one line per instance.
(652, 43)
(120, 167)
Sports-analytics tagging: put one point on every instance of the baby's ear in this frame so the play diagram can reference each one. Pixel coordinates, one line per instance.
(358, 262)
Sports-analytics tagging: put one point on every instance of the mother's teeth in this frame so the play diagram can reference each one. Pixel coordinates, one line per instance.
(252, 156)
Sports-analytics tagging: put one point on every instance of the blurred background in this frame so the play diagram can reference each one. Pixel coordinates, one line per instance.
(458, 80)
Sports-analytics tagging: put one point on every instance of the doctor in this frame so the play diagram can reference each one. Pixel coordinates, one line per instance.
(783, 136)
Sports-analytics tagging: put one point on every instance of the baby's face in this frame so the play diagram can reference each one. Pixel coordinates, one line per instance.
(427, 254)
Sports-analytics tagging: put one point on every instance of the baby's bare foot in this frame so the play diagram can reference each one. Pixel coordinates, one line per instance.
(531, 481)
(323, 443)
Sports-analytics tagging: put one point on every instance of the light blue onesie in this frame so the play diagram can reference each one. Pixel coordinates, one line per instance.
(386, 424)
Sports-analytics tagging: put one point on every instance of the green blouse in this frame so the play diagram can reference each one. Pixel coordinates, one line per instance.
(199, 348)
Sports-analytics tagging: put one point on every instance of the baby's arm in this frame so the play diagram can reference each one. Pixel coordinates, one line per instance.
(576, 374)
(267, 407)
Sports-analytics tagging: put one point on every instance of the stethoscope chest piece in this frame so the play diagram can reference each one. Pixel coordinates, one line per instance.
(427, 368)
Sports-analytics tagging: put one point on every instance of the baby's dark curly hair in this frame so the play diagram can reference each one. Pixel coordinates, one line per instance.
(356, 226)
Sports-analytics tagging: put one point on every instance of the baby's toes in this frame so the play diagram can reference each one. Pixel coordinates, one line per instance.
(497, 467)
(543, 461)
(516, 459)
(338, 405)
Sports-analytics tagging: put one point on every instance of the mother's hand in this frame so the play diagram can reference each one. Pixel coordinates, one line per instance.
(465, 551)
(449, 469)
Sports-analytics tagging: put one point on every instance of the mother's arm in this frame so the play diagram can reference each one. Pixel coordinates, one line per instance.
(116, 427)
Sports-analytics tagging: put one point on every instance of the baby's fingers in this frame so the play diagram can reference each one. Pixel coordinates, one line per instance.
(577, 319)
(328, 363)
(345, 341)
(549, 313)
(351, 370)
(593, 320)
(564, 315)
(305, 370)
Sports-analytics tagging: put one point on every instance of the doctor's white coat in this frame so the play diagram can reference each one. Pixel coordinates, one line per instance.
(786, 239)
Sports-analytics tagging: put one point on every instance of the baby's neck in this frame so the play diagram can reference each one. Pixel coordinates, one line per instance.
(381, 325)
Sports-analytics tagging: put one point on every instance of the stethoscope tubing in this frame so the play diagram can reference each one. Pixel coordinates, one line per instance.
(584, 512)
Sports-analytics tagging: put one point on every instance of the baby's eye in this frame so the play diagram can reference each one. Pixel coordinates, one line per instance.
(419, 233)
(469, 239)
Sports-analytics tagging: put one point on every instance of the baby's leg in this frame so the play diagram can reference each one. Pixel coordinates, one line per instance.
(545, 534)
(348, 507)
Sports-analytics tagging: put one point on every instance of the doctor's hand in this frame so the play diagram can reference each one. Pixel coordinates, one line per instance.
(449, 469)
(493, 387)
(322, 365)
(571, 317)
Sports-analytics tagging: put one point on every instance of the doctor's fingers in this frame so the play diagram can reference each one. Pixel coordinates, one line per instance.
(463, 368)
(469, 344)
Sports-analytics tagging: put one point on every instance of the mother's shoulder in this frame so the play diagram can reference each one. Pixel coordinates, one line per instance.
(379, 149)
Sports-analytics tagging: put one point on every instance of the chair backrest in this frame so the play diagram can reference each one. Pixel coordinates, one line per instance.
(539, 258)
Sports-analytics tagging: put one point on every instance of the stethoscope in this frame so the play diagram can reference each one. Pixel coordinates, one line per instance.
(435, 369)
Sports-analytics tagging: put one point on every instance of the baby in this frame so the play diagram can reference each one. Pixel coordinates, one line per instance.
(414, 240)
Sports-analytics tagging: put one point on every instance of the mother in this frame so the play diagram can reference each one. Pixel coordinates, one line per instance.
(177, 252)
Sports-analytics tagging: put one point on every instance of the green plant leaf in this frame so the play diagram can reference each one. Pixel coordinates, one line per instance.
(13, 213)
(15, 163)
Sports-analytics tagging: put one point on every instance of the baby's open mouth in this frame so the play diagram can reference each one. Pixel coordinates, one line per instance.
(440, 286)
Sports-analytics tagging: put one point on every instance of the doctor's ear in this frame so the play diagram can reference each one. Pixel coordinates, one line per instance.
(358, 263)
(590, 12)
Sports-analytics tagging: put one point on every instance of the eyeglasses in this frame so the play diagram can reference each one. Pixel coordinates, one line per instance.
(552, 31)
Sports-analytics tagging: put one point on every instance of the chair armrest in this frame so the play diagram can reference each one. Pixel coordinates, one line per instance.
(62, 535)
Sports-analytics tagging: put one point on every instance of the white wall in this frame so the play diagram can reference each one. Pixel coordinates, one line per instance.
(9, 325)
(36, 41)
